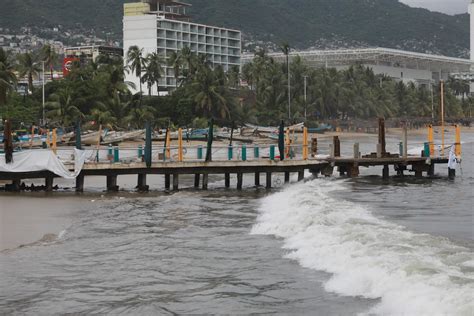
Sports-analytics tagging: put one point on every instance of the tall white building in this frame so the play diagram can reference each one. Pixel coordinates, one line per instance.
(163, 26)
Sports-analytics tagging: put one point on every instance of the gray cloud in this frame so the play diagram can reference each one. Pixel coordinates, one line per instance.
(445, 6)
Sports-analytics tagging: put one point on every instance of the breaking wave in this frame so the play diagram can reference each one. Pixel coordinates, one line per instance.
(411, 273)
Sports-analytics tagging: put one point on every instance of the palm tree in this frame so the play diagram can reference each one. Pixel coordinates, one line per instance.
(189, 60)
(135, 61)
(28, 66)
(50, 58)
(210, 97)
(63, 108)
(153, 71)
(7, 76)
(175, 61)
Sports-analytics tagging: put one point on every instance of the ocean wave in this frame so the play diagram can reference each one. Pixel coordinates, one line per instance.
(411, 273)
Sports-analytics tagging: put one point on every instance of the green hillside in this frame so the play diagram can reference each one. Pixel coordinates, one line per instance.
(302, 23)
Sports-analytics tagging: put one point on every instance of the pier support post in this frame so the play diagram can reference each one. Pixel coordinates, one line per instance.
(287, 177)
(405, 142)
(418, 170)
(227, 180)
(356, 151)
(337, 146)
(205, 181)
(197, 179)
(269, 180)
(353, 170)
(80, 183)
(112, 183)
(431, 170)
(141, 183)
(382, 137)
(16, 185)
(175, 182)
(451, 173)
(385, 172)
(301, 175)
(240, 180)
(257, 179)
(49, 183)
(167, 181)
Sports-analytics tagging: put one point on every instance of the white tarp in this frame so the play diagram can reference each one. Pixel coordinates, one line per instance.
(43, 160)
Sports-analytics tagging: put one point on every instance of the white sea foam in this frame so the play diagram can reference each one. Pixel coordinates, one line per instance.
(411, 273)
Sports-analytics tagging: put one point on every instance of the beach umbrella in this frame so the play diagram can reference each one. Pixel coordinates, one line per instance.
(281, 140)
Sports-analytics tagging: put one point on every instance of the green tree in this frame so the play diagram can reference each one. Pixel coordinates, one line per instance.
(28, 67)
(49, 57)
(8, 78)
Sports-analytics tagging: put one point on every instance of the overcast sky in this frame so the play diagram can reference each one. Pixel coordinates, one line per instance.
(445, 6)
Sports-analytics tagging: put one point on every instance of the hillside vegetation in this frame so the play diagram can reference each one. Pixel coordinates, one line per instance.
(303, 23)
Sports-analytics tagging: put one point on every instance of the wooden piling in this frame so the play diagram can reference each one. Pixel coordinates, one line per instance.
(301, 175)
(314, 147)
(356, 151)
(240, 179)
(405, 142)
(337, 146)
(457, 146)
(176, 182)
(305, 143)
(287, 177)
(227, 180)
(353, 170)
(112, 183)
(49, 180)
(257, 179)
(141, 183)
(386, 172)
(431, 139)
(197, 178)
(167, 181)
(205, 181)
(180, 145)
(80, 183)
(269, 180)
(382, 141)
(16, 185)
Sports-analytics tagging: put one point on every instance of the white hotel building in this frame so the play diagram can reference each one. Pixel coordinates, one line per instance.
(162, 26)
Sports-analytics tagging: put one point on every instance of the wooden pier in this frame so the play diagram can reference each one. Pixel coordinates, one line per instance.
(201, 171)
(201, 167)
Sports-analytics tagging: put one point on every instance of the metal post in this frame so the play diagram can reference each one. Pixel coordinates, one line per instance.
(78, 135)
(442, 118)
(44, 113)
(305, 97)
(405, 142)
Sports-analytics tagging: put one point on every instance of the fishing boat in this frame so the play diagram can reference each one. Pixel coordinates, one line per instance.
(118, 137)
(321, 129)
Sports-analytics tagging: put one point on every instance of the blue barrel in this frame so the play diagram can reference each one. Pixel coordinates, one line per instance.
(116, 154)
(427, 150)
(230, 152)
(272, 152)
(199, 152)
(244, 153)
(140, 151)
(256, 152)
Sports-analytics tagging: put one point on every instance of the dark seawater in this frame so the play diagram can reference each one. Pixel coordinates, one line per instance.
(322, 247)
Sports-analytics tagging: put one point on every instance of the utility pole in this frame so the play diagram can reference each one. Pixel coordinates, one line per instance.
(44, 117)
(289, 85)
(432, 103)
(305, 96)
